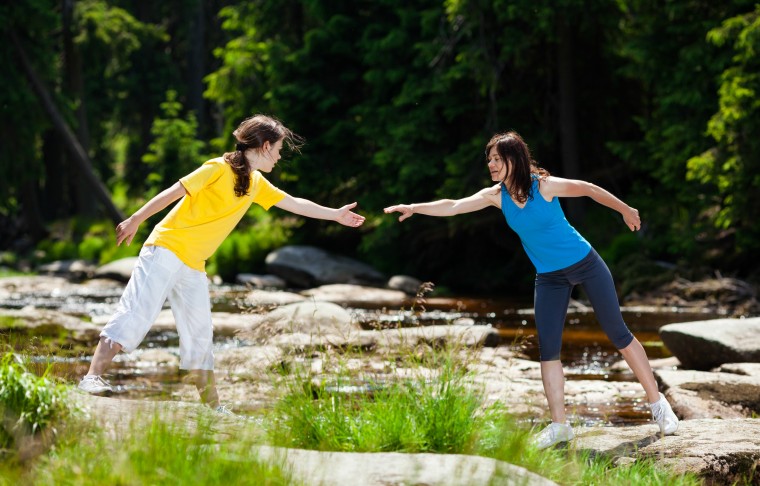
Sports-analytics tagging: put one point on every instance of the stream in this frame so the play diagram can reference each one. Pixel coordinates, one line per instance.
(586, 353)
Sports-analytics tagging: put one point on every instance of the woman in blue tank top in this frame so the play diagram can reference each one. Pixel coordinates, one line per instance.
(529, 198)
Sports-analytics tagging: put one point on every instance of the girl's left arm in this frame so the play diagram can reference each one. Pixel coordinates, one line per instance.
(559, 187)
(310, 209)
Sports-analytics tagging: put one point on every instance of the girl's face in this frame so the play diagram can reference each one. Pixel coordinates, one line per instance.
(496, 166)
(265, 158)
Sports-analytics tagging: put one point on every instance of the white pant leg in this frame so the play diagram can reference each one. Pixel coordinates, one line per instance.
(191, 306)
(155, 273)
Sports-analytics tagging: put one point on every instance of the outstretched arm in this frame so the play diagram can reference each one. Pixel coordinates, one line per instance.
(127, 229)
(310, 209)
(449, 207)
(557, 186)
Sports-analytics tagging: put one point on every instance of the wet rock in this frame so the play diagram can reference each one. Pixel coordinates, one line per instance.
(703, 345)
(249, 362)
(466, 336)
(313, 319)
(265, 298)
(720, 451)
(120, 270)
(19, 287)
(699, 394)
(308, 266)
(261, 281)
(747, 369)
(408, 285)
(394, 468)
(670, 363)
(154, 357)
(50, 323)
(74, 269)
(356, 295)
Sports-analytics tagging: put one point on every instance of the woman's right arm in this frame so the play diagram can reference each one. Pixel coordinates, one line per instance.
(449, 207)
(127, 229)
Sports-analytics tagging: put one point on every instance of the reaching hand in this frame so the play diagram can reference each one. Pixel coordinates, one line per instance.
(406, 210)
(126, 230)
(346, 217)
(632, 219)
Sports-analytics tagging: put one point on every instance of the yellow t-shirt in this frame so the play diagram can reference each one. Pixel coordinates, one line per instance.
(202, 219)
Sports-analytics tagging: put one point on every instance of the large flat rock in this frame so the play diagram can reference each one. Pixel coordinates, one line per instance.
(703, 345)
(723, 451)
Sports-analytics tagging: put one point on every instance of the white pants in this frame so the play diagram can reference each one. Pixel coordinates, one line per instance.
(159, 275)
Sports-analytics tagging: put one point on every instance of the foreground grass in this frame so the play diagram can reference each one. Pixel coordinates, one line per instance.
(440, 411)
(45, 442)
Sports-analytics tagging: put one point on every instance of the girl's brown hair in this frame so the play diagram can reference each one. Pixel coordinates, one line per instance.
(513, 150)
(252, 133)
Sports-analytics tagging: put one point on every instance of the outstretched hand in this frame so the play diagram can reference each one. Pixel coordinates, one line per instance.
(346, 217)
(632, 219)
(406, 210)
(126, 230)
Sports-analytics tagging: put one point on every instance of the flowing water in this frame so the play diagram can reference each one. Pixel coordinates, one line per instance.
(587, 354)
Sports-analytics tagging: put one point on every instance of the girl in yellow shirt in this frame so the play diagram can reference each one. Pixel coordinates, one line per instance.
(171, 265)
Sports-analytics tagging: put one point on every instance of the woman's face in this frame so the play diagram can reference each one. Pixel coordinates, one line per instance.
(496, 166)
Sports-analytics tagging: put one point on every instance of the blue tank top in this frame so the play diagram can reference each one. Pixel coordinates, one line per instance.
(548, 238)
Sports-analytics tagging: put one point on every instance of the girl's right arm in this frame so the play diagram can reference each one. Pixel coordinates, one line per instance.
(127, 229)
(489, 196)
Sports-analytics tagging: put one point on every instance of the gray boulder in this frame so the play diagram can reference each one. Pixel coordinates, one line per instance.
(703, 345)
(308, 266)
(120, 270)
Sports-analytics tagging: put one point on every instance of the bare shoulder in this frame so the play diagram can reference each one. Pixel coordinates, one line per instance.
(492, 194)
(552, 186)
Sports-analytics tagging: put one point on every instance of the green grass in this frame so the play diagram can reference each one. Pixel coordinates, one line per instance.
(444, 413)
(434, 406)
(160, 453)
(29, 404)
(46, 443)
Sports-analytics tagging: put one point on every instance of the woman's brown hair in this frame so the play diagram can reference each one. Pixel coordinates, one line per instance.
(251, 134)
(513, 150)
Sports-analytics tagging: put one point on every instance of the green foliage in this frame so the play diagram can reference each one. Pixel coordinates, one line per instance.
(157, 451)
(29, 403)
(175, 151)
(732, 167)
(675, 106)
(418, 415)
(396, 102)
(245, 249)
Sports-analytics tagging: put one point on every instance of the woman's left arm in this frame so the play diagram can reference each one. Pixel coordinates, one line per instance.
(559, 187)
(310, 209)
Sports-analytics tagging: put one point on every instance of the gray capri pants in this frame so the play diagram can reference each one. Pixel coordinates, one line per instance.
(552, 297)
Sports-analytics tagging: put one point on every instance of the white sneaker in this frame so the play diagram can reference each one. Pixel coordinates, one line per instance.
(95, 385)
(553, 434)
(223, 410)
(664, 416)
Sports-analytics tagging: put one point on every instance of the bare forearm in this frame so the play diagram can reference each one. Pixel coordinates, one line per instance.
(442, 208)
(159, 202)
(605, 198)
(310, 209)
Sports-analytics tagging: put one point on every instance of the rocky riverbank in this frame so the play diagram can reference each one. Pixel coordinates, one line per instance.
(310, 331)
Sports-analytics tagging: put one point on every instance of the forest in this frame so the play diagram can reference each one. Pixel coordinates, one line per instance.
(107, 102)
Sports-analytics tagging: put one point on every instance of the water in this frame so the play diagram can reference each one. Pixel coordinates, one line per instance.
(586, 354)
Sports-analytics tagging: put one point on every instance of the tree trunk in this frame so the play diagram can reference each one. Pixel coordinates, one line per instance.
(74, 86)
(568, 125)
(79, 156)
(196, 64)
